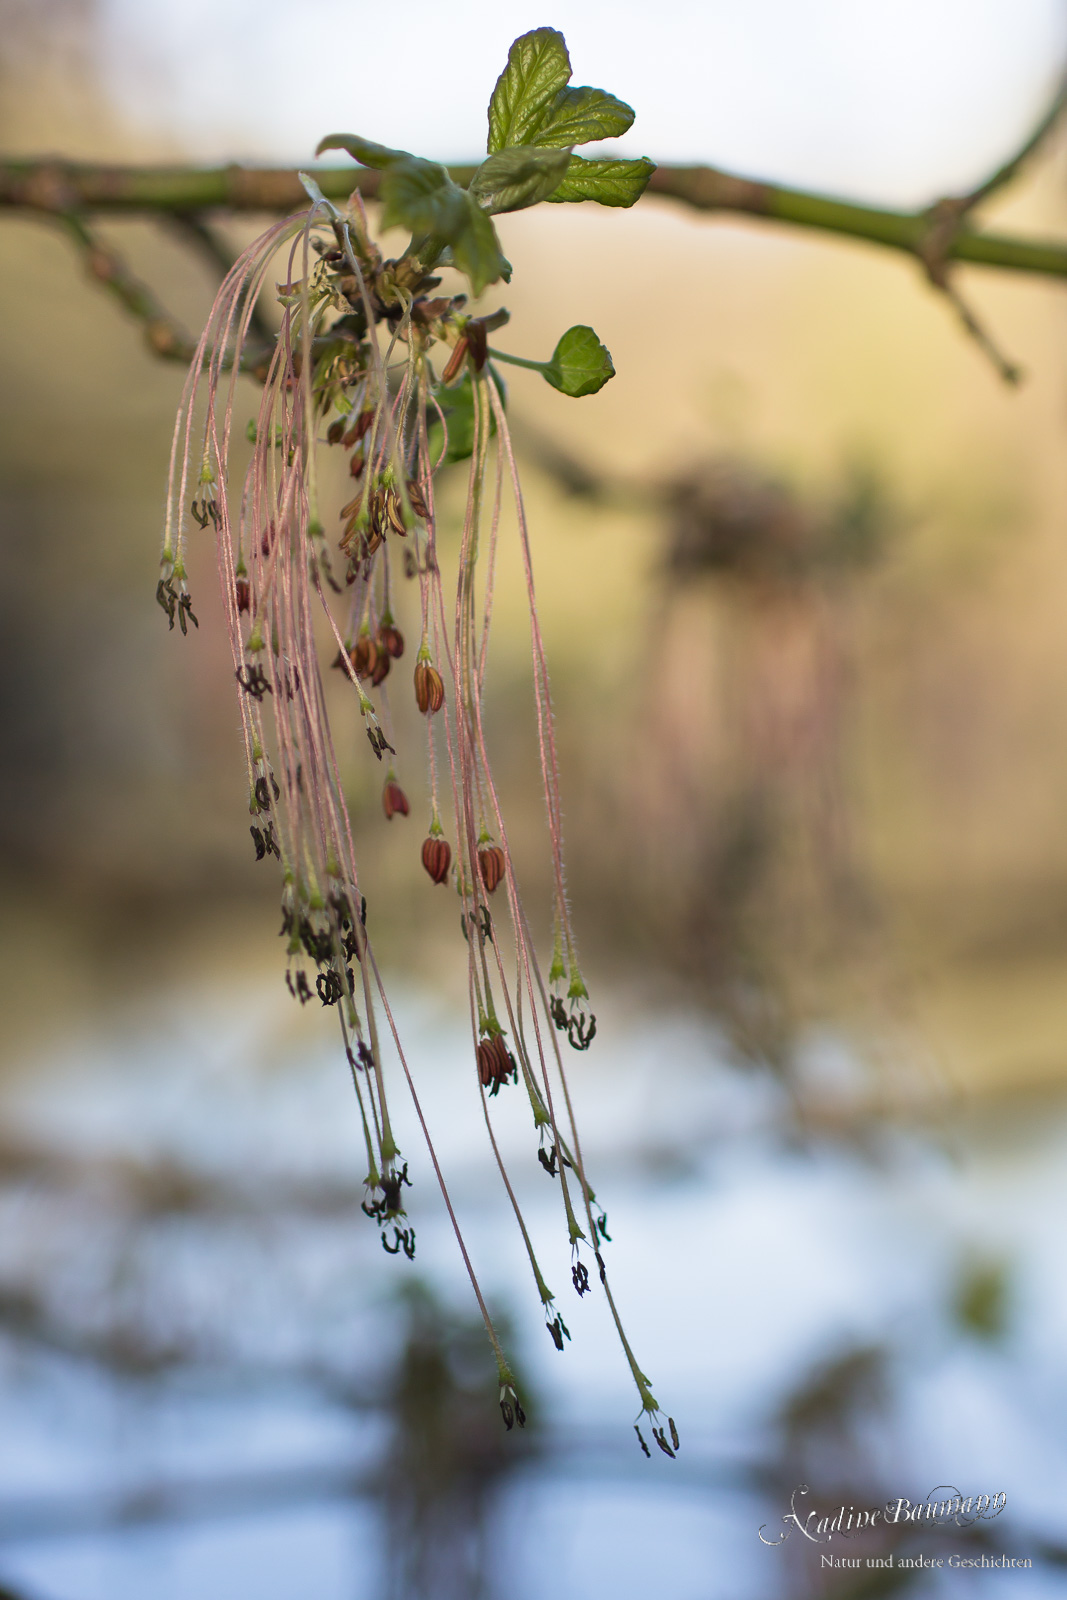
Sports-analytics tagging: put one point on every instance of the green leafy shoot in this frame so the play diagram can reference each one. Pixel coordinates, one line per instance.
(580, 364)
(534, 105)
(420, 195)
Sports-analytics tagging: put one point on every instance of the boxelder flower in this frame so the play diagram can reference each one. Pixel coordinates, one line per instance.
(369, 362)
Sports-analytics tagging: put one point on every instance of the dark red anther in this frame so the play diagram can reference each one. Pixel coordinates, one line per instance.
(437, 857)
(360, 427)
(417, 500)
(364, 655)
(477, 342)
(381, 667)
(429, 688)
(496, 1065)
(491, 865)
(395, 801)
(391, 640)
(242, 592)
(456, 360)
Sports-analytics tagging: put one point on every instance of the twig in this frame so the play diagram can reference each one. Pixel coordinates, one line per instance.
(56, 186)
(164, 335)
(947, 217)
(937, 237)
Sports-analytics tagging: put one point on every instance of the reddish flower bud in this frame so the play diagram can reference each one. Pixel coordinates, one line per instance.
(356, 464)
(335, 432)
(242, 592)
(429, 688)
(491, 865)
(395, 801)
(364, 655)
(496, 1064)
(437, 857)
(391, 640)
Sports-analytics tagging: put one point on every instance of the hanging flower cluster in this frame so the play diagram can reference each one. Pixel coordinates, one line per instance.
(370, 362)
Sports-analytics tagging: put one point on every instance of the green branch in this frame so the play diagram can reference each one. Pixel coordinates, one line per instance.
(58, 187)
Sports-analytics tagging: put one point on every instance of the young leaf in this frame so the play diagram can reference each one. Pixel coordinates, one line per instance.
(421, 196)
(476, 248)
(538, 68)
(580, 364)
(365, 151)
(612, 183)
(578, 116)
(518, 177)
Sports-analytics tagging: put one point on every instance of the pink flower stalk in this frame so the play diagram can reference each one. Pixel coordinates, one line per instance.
(355, 366)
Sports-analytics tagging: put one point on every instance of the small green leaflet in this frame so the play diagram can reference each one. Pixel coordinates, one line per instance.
(578, 116)
(476, 249)
(421, 196)
(517, 177)
(612, 183)
(580, 364)
(538, 69)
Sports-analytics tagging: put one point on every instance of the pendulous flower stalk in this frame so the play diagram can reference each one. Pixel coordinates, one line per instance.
(370, 362)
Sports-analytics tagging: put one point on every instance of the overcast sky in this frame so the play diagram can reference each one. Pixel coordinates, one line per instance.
(898, 100)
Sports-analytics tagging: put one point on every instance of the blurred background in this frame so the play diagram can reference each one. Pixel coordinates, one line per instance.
(803, 582)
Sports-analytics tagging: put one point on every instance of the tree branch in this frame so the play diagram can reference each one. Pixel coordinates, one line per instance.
(54, 186)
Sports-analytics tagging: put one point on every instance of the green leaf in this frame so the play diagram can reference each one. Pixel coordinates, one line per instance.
(476, 248)
(611, 183)
(538, 68)
(517, 177)
(578, 116)
(415, 194)
(458, 407)
(421, 196)
(364, 151)
(580, 364)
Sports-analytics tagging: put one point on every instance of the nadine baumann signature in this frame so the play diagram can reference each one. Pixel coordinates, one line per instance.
(944, 1506)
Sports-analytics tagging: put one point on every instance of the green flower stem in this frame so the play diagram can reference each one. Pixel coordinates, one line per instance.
(519, 361)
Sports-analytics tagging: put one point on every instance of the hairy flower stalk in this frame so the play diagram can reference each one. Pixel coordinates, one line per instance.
(370, 361)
